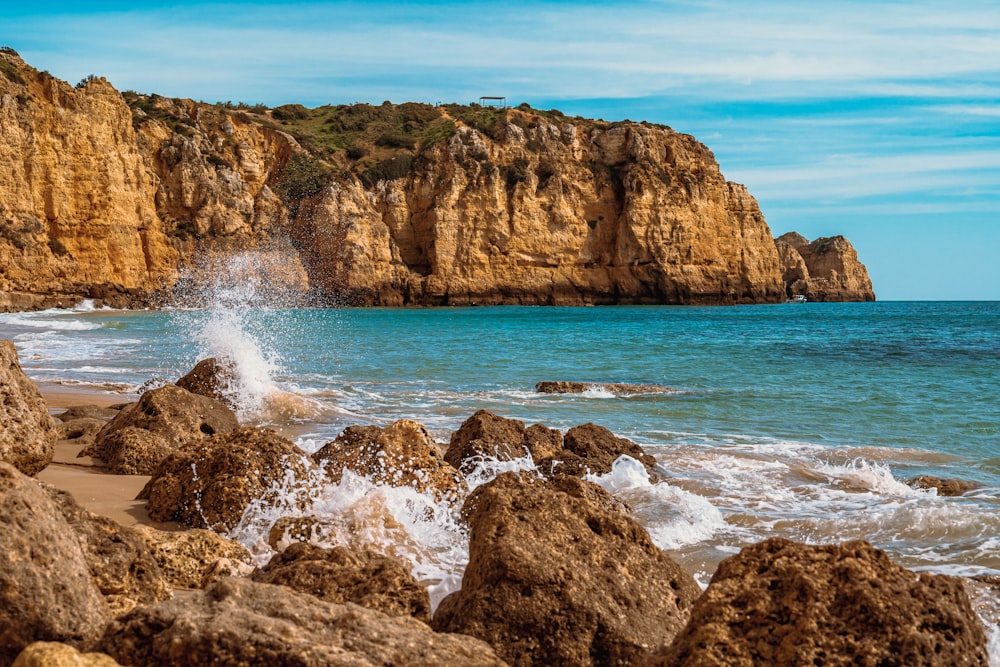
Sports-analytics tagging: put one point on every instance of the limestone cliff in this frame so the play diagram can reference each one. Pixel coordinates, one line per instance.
(109, 195)
(827, 269)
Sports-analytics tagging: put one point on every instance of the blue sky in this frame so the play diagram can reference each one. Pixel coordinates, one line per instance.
(876, 120)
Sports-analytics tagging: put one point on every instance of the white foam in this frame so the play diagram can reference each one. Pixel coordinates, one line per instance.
(874, 477)
(44, 320)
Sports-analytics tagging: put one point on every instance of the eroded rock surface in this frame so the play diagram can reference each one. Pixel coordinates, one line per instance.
(343, 575)
(826, 269)
(485, 434)
(27, 438)
(192, 558)
(46, 590)
(593, 449)
(57, 654)
(241, 622)
(144, 433)
(557, 576)
(784, 603)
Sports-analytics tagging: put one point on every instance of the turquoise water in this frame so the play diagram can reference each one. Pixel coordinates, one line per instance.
(803, 421)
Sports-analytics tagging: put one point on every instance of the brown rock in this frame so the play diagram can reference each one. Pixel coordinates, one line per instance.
(945, 487)
(343, 575)
(190, 559)
(620, 388)
(484, 434)
(144, 433)
(96, 412)
(827, 269)
(557, 578)
(46, 591)
(27, 440)
(241, 622)
(782, 603)
(593, 449)
(209, 378)
(56, 654)
(82, 431)
(209, 484)
(401, 454)
(120, 563)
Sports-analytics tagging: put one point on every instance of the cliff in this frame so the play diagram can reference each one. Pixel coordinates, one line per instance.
(827, 269)
(110, 196)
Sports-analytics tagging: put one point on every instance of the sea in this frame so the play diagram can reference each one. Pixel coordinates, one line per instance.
(804, 421)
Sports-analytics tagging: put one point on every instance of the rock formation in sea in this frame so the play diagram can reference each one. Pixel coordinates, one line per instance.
(109, 196)
(826, 269)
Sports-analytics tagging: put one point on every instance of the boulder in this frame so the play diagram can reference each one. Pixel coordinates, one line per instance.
(619, 388)
(27, 439)
(343, 575)
(120, 563)
(401, 454)
(485, 434)
(558, 575)
(90, 411)
(144, 433)
(593, 449)
(81, 431)
(57, 654)
(945, 486)
(209, 484)
(46, 591)
(783, 603)
(190, 559)
(209, 378)
(241, 622)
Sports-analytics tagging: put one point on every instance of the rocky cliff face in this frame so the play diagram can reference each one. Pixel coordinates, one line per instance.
(109, 196)
(827, 269)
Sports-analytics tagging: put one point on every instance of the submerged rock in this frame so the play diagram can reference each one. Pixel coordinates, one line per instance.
(144, 433)
(558, 576)
(344, 575)
(945, 487)
(783, 603)
(46, 590)
(209, 484)
(620, 388)
(401, 454)
(241, 622)
(27, 439)
(484, 434)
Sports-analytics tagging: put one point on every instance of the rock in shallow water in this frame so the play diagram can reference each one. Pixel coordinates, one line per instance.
(485, 434)
(784, 603)
(241, 622)
(557, 575)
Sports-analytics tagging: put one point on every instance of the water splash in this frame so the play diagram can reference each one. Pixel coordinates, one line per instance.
(236, 296)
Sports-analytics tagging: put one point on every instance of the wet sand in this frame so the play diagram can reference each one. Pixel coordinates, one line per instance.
(85, 478)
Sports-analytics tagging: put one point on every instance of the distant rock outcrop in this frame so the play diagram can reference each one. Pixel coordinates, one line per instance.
(827, 269)
(108, 196)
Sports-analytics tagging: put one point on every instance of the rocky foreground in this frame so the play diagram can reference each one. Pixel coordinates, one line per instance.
(558, 572)
(110, 196)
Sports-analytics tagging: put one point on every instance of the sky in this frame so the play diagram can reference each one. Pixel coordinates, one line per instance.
(876, 120)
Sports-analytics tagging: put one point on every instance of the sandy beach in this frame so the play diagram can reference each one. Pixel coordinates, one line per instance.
(86, 478)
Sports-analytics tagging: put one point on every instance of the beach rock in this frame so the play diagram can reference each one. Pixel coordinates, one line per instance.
(209, 484)
(400, 454)
(345, 575)
(783, 603)
(57, 654)
(945, 487)
(120, 562)
(209, 378)
(91, 411)
(593, 449)
(46, 590)
(484, 434)
(27, 439)
(192, 558)
(81, 431)
(241, 622)
(144, 433)
(558, 576)
(619, 388)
